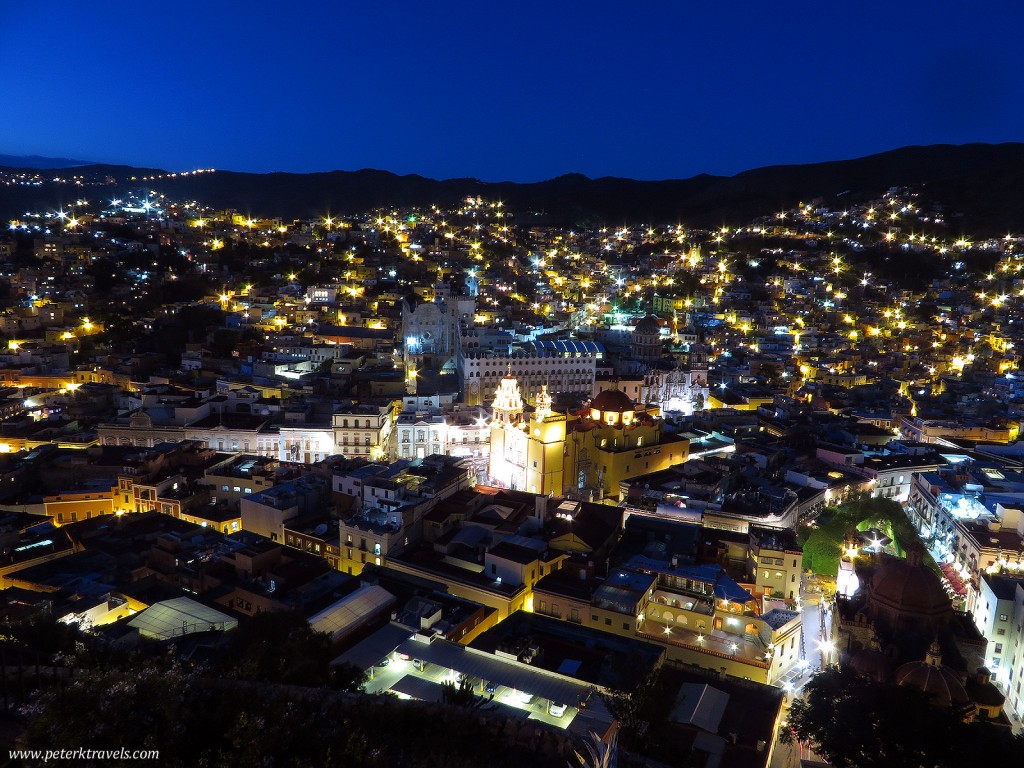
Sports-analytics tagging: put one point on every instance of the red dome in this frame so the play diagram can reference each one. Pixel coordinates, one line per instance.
(941, 683)
(612, 400)
(909, 587)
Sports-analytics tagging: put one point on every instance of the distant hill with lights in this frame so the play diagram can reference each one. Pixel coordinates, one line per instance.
(979, 181)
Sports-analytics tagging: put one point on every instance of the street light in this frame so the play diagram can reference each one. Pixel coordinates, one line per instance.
(826, 647)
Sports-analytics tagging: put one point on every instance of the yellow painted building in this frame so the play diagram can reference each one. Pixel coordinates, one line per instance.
(725, 398)
(932, 431)
(614, 441)
(504, 598)
(682, 611)
(589, 454)
(777, 566)
(213, 517)
(74, 507)
(527, 453)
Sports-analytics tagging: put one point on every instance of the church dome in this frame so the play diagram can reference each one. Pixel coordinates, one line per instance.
(648, 326)
(928, 675)
(908, 587)
(941, 683)
(612, 401)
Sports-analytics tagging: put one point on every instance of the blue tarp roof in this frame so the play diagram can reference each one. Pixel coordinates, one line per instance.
(724, 587)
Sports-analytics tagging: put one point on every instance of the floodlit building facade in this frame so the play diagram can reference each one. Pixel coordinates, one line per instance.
(527, 453)
(585, 455)
(1000, 618)
(615, 440)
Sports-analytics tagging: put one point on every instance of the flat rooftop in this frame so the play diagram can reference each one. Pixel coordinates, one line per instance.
(586, 654)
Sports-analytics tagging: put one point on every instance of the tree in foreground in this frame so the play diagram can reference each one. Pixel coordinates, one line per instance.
(597, 753)
(196, 721)
(855, 722)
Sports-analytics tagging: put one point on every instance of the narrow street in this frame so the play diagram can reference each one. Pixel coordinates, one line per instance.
(813, 636)
(816, 623)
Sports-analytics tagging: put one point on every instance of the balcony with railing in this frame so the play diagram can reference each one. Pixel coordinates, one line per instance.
(697, 603)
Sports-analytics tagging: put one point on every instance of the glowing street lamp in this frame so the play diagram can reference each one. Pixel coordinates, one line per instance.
(826, 647)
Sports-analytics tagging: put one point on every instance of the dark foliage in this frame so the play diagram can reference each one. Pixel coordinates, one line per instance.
(195, 721)
(855, 721)
(280, 648)
(459, 695)
(823, 544)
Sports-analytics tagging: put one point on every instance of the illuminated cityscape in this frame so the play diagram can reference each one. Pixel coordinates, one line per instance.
(456, 421)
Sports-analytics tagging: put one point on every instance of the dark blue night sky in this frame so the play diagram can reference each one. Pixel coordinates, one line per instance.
(517, 90)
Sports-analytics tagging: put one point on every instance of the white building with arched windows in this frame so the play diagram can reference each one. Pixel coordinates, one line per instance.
(564, 366)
